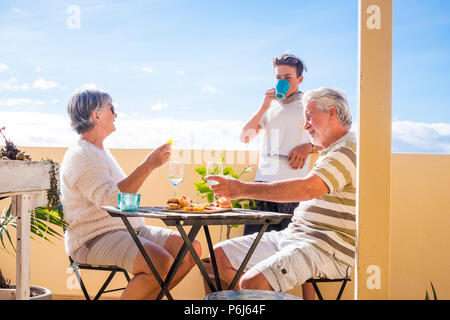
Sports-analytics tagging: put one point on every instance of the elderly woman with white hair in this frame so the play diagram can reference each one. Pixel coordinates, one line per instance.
(91, 178)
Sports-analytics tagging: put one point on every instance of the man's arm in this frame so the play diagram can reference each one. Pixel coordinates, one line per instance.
(251, 129)
(295, 190)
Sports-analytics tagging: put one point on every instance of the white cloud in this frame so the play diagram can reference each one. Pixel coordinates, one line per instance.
(211, 89)
(187, 134)
(38, 129)
(25, 130)
(17, 10)
(42, 84)
(3, 67)
(180, 72)
(158, 106)
(20, 102)
(133, 132)
(14, 85)
(417, 137)
(38, 69)
(147, 69)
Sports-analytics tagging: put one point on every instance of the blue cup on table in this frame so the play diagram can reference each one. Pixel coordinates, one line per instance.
(281, 88)
(129, 201)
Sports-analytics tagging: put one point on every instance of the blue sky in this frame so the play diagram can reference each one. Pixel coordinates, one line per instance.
(195, 71)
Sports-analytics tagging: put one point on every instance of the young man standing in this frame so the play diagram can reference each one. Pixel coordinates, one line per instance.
(286, 145)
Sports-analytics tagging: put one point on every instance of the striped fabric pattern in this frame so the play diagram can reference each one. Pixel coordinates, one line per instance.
(329, 221)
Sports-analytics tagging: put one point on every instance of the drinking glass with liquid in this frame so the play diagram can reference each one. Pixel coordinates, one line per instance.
(214, 168)
(176, 174)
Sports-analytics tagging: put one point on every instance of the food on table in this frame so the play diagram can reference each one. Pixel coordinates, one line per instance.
(174, 206)
(194, 207)
(178, 203)
(224, 203)
(184, 203)
(209, 206)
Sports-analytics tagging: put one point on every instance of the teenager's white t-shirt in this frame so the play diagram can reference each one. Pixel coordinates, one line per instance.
(282, 126)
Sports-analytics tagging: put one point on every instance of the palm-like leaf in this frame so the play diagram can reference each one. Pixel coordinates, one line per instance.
(434, 291)
(427, 297)
(42, 223)
(5, 220)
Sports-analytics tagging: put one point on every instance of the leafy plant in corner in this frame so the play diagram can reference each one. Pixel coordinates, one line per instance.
(10, 150)
(44, 218)
(427, 297)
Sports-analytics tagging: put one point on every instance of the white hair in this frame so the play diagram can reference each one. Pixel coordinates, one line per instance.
(326, 97)
(81, 105)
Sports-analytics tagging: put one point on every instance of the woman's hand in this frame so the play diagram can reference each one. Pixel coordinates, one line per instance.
(159, 156)
(155, 159)
(298, 156)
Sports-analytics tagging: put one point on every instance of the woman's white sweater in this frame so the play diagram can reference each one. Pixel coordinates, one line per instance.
(89, 178)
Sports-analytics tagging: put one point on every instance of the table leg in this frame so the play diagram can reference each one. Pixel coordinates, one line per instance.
(213, 257)
(178, 259)
(195, 256)
(145, 255)
(248, 255)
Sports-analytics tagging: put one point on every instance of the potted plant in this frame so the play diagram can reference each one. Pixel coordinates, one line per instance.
(43, 219)
(205, 191)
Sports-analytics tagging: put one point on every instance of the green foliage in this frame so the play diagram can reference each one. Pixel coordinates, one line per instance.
(5, 220)
(205, 191)
(42, 223)
(42, 219)
(52, 193)
(427, 297)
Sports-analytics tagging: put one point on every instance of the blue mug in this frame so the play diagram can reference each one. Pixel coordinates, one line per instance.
(281, 88)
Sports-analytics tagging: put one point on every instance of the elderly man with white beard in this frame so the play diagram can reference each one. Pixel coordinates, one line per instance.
(320, 240)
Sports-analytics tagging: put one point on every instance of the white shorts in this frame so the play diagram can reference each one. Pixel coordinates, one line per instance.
(284, 262)
(117, 248)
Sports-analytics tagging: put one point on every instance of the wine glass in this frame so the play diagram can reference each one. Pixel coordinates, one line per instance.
(214, 168)
(176, 174)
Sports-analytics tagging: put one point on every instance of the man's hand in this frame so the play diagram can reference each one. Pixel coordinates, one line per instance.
(298, 156)
(269, 96)
(251, 129)
(227, 187)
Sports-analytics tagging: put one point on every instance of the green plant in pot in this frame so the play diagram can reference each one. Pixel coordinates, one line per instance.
(205, 191)
(43, 220)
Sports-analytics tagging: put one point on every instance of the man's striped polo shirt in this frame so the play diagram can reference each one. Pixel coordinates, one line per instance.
(329, 221)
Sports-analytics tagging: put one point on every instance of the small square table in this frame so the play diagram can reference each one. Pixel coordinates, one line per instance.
(197, 221)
